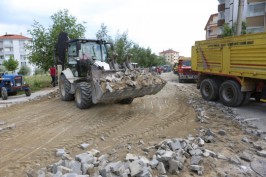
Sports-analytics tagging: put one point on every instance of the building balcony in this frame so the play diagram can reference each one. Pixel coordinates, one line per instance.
(9, 53)
(251, 1)
(221, 22)
(221, 7)
(255, 21)
(8, 45)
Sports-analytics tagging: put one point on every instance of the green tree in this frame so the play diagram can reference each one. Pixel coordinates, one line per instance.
(45, 39)
(11, 64)
(102, 33)
(244, 28)
(122, 45)
(24, 70)
(227, 31)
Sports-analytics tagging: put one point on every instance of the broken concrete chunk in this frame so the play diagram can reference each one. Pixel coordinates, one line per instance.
(85, 158)
(175, 145)
(196, 160)
(94, 152)
(84, 145)
(197, 168)
(246, 156)
(60, 152)
(195, 152)
(168, 155)
(131, 157)
(262, 153)
(221, 132)
(161, 168)
(154, 162)
(135, 168)
(221, 156)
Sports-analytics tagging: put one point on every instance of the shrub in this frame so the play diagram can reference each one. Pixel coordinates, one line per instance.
(24, 70)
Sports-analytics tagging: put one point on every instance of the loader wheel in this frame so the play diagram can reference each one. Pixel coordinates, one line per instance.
(27, 92)
(230, 93)
(64, 87)
(126, 101)
(4, 93)
(209, 90)
(83, 95)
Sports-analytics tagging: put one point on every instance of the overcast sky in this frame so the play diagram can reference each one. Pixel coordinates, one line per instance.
(158, 24)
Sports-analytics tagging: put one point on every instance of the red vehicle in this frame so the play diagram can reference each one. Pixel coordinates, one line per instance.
(185, 72)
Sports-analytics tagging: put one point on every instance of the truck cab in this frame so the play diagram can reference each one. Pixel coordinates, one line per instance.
(185, 72)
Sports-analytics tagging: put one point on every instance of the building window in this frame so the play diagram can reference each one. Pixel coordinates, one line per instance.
(256, 9)
(7, 57)
(1, 57)
(255, 29)
(23, 63)
(22, 57)
(8, 42)
(8, 49)
(1, 49)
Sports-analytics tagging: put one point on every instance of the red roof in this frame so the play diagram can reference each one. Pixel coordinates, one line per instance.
(168, 51)
(13, 36)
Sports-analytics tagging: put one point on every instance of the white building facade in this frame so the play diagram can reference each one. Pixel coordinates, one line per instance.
(14, 45)
(170, 56)
(228, 11)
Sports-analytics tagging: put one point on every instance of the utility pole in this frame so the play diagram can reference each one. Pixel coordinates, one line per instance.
(239, 17)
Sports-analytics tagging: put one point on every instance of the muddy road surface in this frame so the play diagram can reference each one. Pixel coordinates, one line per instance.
(31, 132)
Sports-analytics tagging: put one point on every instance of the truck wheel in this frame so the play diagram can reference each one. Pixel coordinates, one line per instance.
(246, 98)
(64, 88)
(230, 93)
(209, 90)
(4, 93)
(126, 101)
(27, 92)
(83, 95)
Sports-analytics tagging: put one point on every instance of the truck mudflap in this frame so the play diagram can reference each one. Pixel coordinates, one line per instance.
(113, 86)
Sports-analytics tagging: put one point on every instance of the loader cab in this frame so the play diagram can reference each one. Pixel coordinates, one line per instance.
(84, 53)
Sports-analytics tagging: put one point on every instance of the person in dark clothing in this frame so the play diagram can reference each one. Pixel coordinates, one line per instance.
(53, 75)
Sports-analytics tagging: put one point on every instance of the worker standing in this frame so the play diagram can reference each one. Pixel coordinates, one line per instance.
(53, 75)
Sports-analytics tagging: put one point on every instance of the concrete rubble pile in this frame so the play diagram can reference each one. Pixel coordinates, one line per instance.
(170, 158)
(122, 80)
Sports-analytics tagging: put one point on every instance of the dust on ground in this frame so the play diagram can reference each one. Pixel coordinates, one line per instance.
(47, 124)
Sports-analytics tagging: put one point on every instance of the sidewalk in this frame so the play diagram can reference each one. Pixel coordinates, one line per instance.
(23, 98)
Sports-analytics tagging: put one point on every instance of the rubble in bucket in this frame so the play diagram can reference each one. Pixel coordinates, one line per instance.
(136, 79)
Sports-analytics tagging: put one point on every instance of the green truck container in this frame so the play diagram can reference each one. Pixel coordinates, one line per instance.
(232, 69)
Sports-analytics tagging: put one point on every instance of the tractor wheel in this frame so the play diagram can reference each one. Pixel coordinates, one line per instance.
(126, 101)
(230, 93)
(27, 92)
(4, 93)
(209, 90)
(64, 87)
(83, 95)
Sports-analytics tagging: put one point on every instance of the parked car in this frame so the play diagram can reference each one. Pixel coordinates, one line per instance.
(166, 68)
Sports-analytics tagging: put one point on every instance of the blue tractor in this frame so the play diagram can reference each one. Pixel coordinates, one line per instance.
(11, 84)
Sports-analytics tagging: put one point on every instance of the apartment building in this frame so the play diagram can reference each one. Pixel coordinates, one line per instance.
(228, 11)
(255, 20)
(170, 55)
(14, 45)
(211, 27)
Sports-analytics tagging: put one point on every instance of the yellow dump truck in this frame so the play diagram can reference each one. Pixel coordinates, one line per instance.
(232, 69)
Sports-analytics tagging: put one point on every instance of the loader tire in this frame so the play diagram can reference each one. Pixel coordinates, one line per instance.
(4, 93)
(83, 95)
(209, 90)
(64, 88)
(230, 93)
(126, 101)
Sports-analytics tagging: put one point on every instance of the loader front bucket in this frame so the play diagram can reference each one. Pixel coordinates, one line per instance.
(112, 86)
